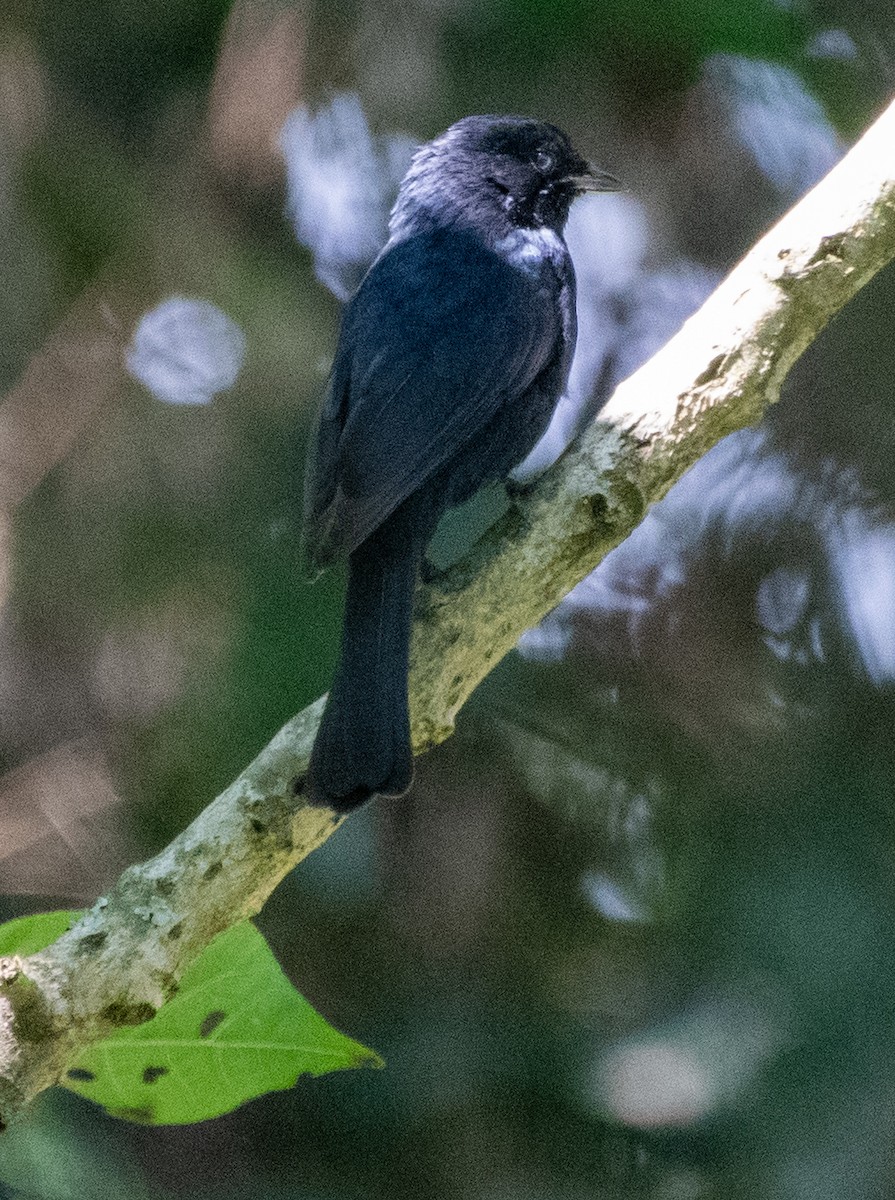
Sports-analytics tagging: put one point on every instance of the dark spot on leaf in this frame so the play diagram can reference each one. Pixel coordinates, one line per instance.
(175, 931)
(151, 1074)
(297, 786)
(213, 869)
(456, 681)
(140, 1116)
(164, 886)
(211, 1022)
(257, 826)
(80, 1074)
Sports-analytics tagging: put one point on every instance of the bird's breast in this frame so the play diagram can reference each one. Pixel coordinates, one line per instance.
(530, 250)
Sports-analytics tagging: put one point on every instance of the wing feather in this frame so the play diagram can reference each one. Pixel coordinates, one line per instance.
(442, 332)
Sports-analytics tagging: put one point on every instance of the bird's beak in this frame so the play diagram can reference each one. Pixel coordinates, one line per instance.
(592, 179)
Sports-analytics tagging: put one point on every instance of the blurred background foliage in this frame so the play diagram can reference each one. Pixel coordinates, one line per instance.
(631, 933)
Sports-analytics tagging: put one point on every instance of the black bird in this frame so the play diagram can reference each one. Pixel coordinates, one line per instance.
(452, 355)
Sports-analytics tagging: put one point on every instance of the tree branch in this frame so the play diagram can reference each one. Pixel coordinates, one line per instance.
(122, 960)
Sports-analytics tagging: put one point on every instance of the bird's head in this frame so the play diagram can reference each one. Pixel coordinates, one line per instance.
(496, 169)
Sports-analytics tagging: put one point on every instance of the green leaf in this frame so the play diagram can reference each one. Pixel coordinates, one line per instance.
(27, 935)
(236, 1029)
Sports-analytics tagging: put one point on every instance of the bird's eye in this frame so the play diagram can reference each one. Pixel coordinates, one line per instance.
(544, 161)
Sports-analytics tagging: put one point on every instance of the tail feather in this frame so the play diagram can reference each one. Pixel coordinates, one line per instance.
(363, 744)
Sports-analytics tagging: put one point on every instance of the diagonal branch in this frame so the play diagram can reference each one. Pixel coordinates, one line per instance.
(124, 957)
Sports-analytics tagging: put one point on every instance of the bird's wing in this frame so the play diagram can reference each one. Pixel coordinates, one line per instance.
(441, 333)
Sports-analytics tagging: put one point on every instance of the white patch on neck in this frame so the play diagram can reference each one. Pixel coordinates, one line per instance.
(527, 248)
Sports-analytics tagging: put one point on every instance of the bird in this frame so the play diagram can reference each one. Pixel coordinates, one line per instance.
(450, 359)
